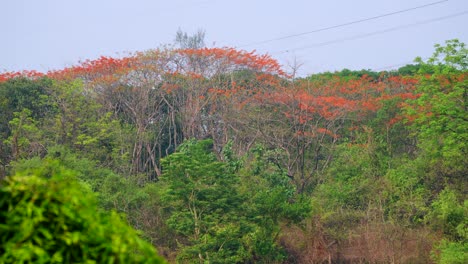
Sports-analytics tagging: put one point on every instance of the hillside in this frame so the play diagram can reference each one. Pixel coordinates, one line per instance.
(219, 155)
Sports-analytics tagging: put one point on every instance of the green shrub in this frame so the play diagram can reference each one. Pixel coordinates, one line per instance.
(56, 220)
(451, 252)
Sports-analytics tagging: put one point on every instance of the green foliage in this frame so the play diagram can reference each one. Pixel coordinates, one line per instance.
(345, 74)
(271, 200)
(373, 181)
(227, 213)
(350, 187)
(391, 139)
(349, 74)
(451, 252)
(355, 176)
(24, 136)
(121, 194)
(114, 191)
(199, 181)
(37, 114)
(23, 104)
(56, 220)
(406, 195)
(450, 216)
(57, 157)
(140, 203)
(410, 69)
(80, 123)
(21, 93)
(453, 57)
(271, 191)
(441, 117)
(201, 195)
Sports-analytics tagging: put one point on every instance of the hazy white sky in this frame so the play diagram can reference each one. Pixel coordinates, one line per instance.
(52, 34)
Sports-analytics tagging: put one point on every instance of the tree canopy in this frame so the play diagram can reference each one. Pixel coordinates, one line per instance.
(219, 155)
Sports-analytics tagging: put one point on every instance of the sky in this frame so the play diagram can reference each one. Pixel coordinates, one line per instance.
(45, 35)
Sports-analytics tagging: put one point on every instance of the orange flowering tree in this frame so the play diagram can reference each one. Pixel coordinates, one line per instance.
(307, 119)
(163, 97)
(166, 96)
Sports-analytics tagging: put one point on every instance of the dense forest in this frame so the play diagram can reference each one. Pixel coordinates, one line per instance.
(219, 155)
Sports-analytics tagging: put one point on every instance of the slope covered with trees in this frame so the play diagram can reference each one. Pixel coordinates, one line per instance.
(218, 155)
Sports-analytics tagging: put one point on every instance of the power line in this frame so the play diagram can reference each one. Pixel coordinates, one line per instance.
(341, 25)
(373, 33)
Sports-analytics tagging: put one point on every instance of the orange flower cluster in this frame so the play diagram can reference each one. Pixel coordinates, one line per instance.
(27, 74)
(92, 69)
(263, 63)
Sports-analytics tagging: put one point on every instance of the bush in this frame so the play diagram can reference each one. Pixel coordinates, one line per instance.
(451, 252)
(56, 220)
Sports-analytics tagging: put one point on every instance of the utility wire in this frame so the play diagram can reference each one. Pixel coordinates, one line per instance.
(342, 25)
(373, 33)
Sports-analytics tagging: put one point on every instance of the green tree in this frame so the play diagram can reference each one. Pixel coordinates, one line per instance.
(441, 114)
(270, 202)
(23, 103)
(409, 69)
(25, 138)
(82, 125)
(227, 213)
(202, 197)
(453, 57)
(19, 93)
(440, 123)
